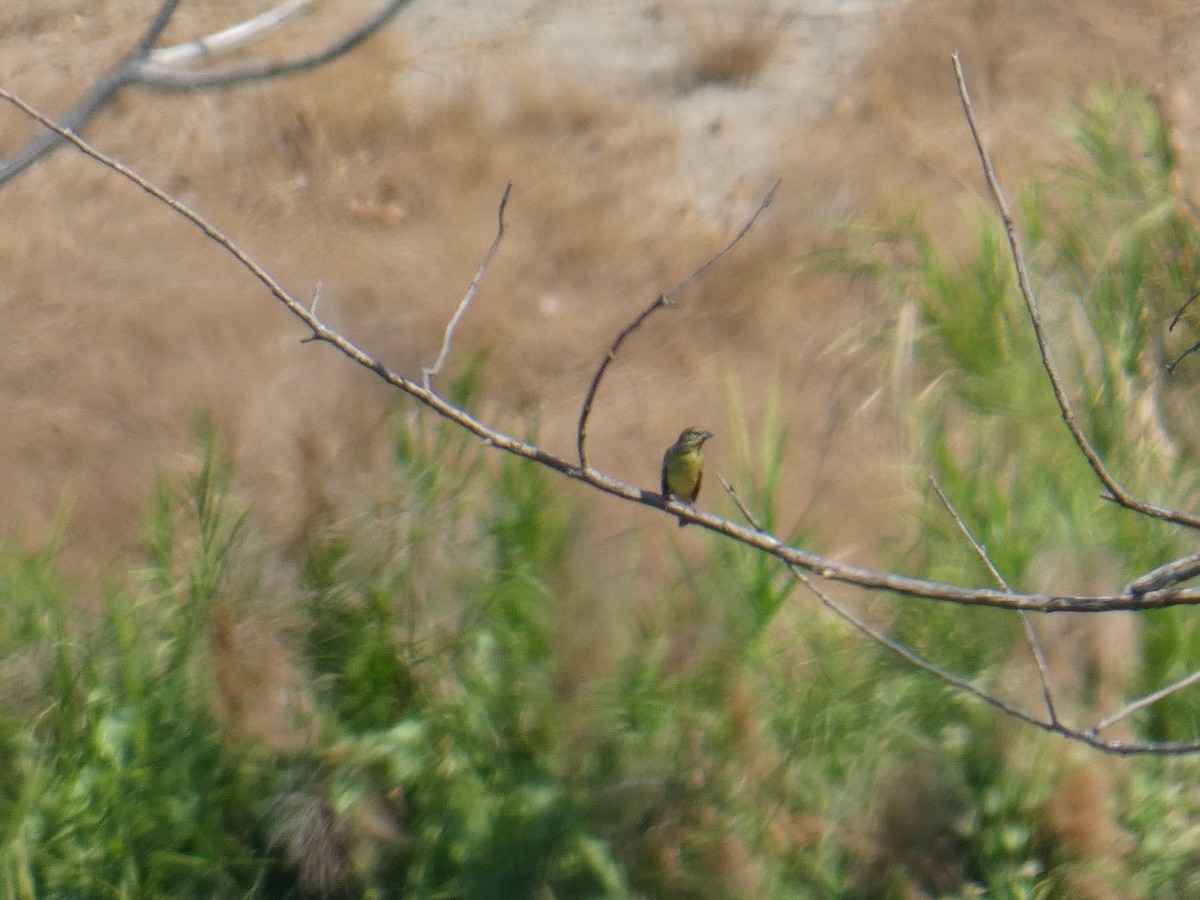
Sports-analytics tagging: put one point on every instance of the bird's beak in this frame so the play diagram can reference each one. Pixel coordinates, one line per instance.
(705, 436)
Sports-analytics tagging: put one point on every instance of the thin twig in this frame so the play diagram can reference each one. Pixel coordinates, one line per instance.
(93, 101)
(1115, 491)
(159, 77)
(799, 561)
(137, 68)
(210, 231)
(1172, 573)
(1192, 348)
(228, 38)
(662, 300)
(1031, 637)
(1121, 748)
(740, 504)
(430, 371)
(1175, 319)
(880, 637)
(1142, 703)
(887, 642)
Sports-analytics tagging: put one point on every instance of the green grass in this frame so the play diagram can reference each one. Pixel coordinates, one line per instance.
(1113, 253)
(740, 743)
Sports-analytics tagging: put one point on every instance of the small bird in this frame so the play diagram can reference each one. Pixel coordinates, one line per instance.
(683, 467)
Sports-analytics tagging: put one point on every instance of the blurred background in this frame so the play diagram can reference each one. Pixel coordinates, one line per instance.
(638, 137)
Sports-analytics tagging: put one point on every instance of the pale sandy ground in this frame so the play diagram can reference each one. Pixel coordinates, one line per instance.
(727, 132)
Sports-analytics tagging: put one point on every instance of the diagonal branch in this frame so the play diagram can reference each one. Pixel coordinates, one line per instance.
(1175, 321)
(1035, 646)
(1051, 724)
(1172, 573)
(228, 38)
(662, 300)
(148, 73)
(1143, 702)
(429, 371)
(93, 101)
(139, 68)
(801, 562)
(825, 567)
(1114, 491)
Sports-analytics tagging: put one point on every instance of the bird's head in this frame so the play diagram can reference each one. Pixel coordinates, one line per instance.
(693, 438)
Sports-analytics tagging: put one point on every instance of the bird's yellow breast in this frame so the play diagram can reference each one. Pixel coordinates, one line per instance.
(682, 471)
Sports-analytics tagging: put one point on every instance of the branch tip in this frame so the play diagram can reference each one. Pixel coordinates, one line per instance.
(429, 371)
(659, 302)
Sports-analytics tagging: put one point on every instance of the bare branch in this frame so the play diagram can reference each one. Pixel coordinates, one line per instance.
(1115, 491)
(210, 231)
(1142, 703)
(1175, 319)
(656, 304)
(137, 68)
(739, 503)
(887, 642)
(430, 371)
(1031, 637)
(979, 549)
(234, 36)
(823, 566)
(1121, 748)
(157, 26)
(93, 101)
(800, 562)
(1165, 576)
(151, 75)
(1192, 348)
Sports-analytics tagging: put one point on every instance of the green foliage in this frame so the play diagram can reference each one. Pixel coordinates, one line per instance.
(1162, 800)
(738, 571)
(444, 758)
(1112, 254)
(119, 785)
(430, 632)
(742, 742)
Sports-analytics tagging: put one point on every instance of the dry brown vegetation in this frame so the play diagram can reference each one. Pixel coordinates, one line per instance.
(123, 323)
(120, 323)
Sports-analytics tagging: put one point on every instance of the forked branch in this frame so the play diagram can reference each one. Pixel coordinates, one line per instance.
(803, 563)
(1114, 490)
(660, 302)
(1052, 723)
(144, 67)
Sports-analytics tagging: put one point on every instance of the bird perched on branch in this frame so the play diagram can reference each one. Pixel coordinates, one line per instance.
(683, 467)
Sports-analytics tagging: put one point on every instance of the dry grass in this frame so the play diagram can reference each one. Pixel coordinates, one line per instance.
(908, 837)
(127, 322)
(730, 46)
(899, 133)
(121, 322)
